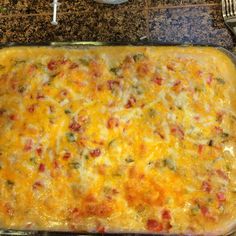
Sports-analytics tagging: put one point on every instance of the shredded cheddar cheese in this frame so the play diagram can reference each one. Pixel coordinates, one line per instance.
(117, 139)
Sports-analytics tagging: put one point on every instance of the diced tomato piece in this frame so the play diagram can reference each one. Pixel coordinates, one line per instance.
(73, 65)
(52, 65)
(206, 186)
(113, 84)
(222, 174)
(177, 131)
(41, 167)
(96, 71)
(67, 155)
(154, 225)
(2, 111)
(74, 126)
(200, 149)
(101, 209)
(100, 229)
(221, 196)
(199, 73)
(64, 92)
(218, 130)
(205, 211)
(13, 84)
(13, 117)
(95, 153)
(32, 68)
(197, 118)
(75, 210)
(102, 169)
(39, 151)
(158, 80)
(63, 61)
(75, 213)
(115, 191)
(99, 87)
(9, 209)
(31, 108)
(99, 142)
(112, 123)
(83, 119)
(55, 164)
(131, 102)
(178, 82)
(90, 198)
(37, 185)
(40, 96)
(28, 145)
(209, 80)
(166, 215)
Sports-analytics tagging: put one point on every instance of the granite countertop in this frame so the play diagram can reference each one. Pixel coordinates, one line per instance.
(191, 21)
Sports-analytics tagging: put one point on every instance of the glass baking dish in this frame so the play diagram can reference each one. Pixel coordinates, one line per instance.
(84, 45)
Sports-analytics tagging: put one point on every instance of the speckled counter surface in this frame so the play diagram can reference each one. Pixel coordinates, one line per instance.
(192, 21)
(179, 21)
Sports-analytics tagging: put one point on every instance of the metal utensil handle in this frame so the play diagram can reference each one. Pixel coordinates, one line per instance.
(55, 4)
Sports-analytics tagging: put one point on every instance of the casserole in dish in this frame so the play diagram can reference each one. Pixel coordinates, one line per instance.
(117, 139)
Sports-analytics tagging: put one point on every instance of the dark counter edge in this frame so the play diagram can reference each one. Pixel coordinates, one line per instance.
(93, 43)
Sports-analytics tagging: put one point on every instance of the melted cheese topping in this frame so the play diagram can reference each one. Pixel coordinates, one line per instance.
(127, 139)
